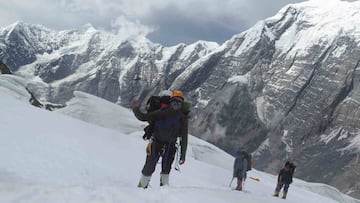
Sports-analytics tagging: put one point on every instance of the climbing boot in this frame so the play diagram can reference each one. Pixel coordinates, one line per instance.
(164, 179)
(144, 181)
(239, 185)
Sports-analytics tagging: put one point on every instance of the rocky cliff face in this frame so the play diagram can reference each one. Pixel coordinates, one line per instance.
(294, 94)
(288, 88)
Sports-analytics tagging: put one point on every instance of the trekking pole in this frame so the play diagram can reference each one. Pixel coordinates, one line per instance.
(231, 181)
(243, 182)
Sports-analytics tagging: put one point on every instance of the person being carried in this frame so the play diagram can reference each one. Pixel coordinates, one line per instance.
(241, 166)
(169, 124)
(285, 178)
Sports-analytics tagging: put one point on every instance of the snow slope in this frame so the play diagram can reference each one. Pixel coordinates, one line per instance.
(51, 157)
(13, 86)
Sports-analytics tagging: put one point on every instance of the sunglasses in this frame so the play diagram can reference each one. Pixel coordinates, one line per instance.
(176, 102)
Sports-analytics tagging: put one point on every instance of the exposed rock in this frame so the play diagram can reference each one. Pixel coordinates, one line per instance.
(282, 90)
(4, 69)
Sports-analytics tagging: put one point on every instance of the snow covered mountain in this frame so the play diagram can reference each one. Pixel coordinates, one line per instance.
(288, 88)
(55, 158)
(104, 64)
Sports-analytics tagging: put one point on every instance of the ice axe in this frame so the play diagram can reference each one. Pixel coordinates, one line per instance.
(256, 179)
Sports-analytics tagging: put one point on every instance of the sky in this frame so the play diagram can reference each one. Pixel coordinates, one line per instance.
(167, 22)
(57, 157)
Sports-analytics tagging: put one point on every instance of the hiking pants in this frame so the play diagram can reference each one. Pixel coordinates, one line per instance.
(280, 185)
(166, 151)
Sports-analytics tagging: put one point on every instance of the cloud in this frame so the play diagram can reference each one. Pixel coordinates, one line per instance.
(98, 8)
(45, 12)
(214, 20)
(168, 22)
(126, 28)
(174, 27)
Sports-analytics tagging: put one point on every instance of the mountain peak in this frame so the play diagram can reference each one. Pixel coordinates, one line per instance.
(276, 88)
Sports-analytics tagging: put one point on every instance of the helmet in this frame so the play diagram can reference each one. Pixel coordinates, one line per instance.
(176, 94)
(165, 93)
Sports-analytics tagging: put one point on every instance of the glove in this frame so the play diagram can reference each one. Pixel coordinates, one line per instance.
(181, 162)
(148, 149)
(134, 104)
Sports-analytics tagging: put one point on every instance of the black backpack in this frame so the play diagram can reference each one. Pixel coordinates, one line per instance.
(248, 158)
(154, 103)
(292, 168)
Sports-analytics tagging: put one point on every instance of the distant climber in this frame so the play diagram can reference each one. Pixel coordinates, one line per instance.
(285, 178)
(242, 164)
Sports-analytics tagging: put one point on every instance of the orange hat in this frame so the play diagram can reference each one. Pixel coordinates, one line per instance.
(177, 95)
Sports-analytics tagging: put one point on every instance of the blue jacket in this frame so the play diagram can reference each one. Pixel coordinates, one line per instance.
(169, 124)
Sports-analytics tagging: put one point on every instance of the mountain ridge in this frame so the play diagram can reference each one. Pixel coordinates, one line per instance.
(55, 158)
(299, 101)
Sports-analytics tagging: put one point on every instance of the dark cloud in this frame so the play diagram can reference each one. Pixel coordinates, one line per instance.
(175, 26)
